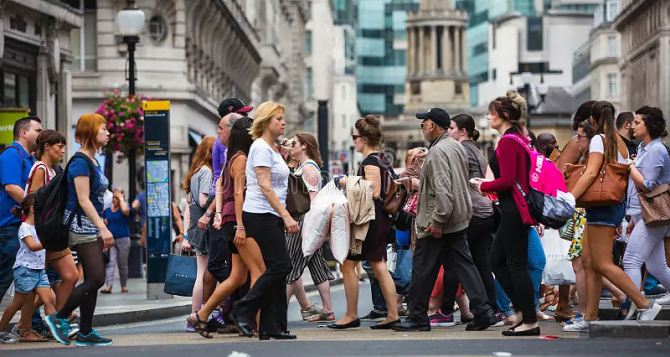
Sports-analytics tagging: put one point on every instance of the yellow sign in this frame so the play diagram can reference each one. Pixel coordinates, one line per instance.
(9, 116)
(156, 105)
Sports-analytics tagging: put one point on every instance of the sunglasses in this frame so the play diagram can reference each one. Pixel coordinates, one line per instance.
(354, 136)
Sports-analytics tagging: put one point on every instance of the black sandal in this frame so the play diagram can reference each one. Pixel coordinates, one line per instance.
(199, 325)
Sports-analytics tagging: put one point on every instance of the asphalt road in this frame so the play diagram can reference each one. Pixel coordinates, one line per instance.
(166, 338)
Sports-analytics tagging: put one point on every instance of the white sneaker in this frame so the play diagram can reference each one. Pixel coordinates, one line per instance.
(74, 329)
(578, 326)
(664, 300)
(650, 313)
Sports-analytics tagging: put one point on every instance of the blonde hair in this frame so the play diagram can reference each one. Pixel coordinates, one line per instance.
(264, 113)
(87, 129)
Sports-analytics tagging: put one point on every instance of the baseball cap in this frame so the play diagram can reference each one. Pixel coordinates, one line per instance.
(233, 105)
(438, 116)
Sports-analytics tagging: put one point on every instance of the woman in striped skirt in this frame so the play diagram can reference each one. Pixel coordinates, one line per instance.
(304, 150)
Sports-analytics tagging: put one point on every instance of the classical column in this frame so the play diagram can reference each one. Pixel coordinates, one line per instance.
(64, 105)
(421, 62)
(433, 49)
(410, 51)
(464, 55)
(449, 49)
(445, 49)
(457, 49)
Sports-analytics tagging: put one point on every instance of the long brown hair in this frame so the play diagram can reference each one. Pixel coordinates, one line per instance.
(312, 145)
(603, 117)
(202, 157)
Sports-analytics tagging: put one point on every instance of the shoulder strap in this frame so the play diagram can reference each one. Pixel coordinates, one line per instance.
(518, 140)
(12, 146)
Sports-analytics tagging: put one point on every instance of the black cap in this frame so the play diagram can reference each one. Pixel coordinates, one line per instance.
(438, 116)
(233, 105)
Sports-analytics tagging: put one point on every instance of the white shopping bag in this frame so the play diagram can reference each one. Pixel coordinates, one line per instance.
(328, 218)
(558, 270)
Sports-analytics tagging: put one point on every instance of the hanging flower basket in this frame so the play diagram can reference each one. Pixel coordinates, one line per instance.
(125, 122)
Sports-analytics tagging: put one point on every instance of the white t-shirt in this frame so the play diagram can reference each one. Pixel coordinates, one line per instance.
(49, 174)
(597, 145)
(25, 257)
(262, 155)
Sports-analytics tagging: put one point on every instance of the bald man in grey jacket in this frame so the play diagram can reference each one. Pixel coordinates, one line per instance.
(442, 218)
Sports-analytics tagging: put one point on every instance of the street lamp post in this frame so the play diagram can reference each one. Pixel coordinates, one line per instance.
(542, 89)
(130, 22)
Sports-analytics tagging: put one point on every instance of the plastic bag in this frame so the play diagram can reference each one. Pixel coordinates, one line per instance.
(340, 230)
(316, 228)
(558, 270)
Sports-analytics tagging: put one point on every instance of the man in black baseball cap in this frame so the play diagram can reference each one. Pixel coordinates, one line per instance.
(438, 116)
(233, 105)
(442, 219)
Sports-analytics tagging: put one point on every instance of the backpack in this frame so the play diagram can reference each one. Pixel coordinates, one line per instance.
(549, 201)
(298, 201)
(50, 202)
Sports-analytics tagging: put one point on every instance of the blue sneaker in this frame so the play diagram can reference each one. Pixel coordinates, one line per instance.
(60, 328)
(92, 339)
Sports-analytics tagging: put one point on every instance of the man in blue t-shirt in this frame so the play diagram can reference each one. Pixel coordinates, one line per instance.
(15, 163)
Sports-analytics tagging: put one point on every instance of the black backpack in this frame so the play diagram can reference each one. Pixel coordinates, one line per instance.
(50, 202)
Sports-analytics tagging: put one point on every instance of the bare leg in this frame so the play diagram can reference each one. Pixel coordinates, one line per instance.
(238, 276)
(564, 300)
(69, 274)
(580, 283)
(324, 293)
(593, 278)
(48, 298)
(616, 292)
(464, 305)
(380, 269)
(197, 288)
(601, 252)
(298, 289)
(351, 286)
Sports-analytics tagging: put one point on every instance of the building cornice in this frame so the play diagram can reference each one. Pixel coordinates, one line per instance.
(627, 14)
(69, 16)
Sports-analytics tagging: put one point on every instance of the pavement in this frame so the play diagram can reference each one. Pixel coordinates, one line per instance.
(163, 338)
(131, 307)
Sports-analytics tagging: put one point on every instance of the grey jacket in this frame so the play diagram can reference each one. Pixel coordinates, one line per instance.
(444, 196)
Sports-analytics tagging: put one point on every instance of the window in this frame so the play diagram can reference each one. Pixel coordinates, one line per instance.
(534, 34)
(157, 29)
(612, 8)
(308, 83)
(308, 42)
(494, 74)
(458, 90)
(612, 47)
(612, 85)
(83, 40)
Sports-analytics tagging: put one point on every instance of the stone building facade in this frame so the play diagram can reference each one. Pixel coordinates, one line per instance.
(436, 57)
(644, 26)
(193, 53)
(35, 59)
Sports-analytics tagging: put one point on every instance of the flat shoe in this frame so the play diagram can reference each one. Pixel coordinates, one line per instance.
(532, 332)
(386, 326)
(284, 335)
(352, 324)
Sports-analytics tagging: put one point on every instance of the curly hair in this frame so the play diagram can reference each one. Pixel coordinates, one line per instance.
(653, 120)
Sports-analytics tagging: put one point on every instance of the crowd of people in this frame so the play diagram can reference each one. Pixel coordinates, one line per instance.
(462, 234)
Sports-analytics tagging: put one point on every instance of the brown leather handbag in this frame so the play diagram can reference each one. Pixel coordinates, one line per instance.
(656, 206)
(608, 189)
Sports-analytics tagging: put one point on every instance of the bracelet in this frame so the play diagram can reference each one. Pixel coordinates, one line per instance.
(217, 213)
(240, 228)
(208, 214)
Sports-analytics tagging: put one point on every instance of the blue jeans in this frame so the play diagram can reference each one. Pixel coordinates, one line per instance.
(9, 246)
(536, 263)
(402, 276)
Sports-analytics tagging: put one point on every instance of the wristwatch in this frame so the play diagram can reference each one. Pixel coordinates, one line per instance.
(208, 214)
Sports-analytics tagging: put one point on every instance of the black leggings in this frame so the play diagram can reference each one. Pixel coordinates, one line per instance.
(85, 295)
(480, 239)
(509, 260)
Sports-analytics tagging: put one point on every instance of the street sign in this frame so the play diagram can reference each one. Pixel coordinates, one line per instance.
(9, 116)
(158, 193)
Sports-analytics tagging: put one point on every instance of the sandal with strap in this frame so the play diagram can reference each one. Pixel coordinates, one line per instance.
(200, 326)
(549, 302)
(32, 336)
(322, 316)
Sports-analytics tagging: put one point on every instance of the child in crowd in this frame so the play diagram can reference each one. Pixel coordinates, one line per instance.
(30, 276)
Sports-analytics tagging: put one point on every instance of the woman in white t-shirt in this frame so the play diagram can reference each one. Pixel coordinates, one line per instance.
(50, 152)
(266, 220)
(601, 222)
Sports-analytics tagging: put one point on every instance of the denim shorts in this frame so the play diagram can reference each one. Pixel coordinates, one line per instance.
(54, 277)
(26, 280)
(611, 216)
